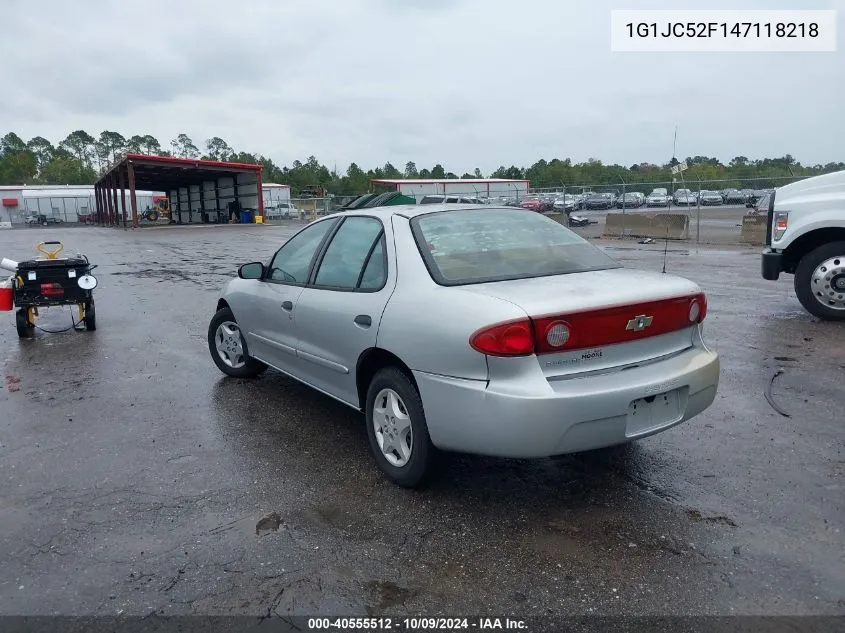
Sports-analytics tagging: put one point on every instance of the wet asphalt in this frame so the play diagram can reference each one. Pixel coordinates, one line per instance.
(133, 474)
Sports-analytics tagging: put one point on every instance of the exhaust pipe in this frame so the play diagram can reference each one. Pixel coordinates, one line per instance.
(8, 264)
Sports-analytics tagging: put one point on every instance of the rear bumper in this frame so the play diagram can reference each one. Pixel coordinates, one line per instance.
(562, 416)
(771, 264)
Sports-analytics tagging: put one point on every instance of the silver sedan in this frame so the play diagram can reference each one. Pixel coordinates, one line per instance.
(494, 331)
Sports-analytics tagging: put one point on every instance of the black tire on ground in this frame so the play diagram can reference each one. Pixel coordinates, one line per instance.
(252, 368)
(25, 329)
(803, 280)
(416, 472)
(90, 316)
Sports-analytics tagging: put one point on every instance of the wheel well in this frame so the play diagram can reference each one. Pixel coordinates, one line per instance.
(369, 363)
(808, 242)
(222, 304)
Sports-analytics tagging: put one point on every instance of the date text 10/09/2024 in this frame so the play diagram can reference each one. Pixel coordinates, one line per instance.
(723, 29)
(416, 624)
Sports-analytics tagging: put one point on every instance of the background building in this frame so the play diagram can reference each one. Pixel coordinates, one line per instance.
(72, 203)
(479, 187)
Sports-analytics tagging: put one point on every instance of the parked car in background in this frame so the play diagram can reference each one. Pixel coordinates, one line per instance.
(566, 203)
(658, 198)
(754, 197)
(43, 220)
(733, 196)
(533, 204)
(710, 198)
(281, 210)
(629, 200)
(449, 199)
(467, 329)
(600, 201)
(685, 197)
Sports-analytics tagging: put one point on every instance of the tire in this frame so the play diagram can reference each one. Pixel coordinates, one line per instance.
(239, 364)
(415, 471)
(806, 288)
(90, 316)
(25, 329)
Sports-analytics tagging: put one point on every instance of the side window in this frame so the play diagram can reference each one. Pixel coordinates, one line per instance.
(375, 273)
(292, 261)
(347, 253)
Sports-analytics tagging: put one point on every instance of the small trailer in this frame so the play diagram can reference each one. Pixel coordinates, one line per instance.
(50, 281)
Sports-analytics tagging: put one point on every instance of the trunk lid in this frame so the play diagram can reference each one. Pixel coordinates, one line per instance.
(635, 292)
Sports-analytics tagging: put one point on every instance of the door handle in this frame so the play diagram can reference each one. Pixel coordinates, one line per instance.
(364, 320)
(287, 305)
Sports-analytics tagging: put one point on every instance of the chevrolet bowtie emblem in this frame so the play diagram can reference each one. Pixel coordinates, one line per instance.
(639, 323)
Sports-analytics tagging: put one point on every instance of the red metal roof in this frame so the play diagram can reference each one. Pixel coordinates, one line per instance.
(191, 162)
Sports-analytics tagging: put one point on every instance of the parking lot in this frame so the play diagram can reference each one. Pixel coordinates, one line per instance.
(133, 474)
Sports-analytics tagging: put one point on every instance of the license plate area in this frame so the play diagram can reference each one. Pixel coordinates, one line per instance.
(653, 412)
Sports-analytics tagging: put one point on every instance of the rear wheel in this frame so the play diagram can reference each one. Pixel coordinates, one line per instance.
(24, 327)
(397, 429)
(820, 281)
(228, 347)
(90, 316)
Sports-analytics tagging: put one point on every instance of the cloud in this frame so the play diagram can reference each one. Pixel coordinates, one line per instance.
(465, 83)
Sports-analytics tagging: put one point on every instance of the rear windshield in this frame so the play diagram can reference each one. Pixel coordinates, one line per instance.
(479, 245)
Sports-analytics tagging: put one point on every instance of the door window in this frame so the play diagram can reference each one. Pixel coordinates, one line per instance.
(348, 253)
(292, 262)
(375, 272)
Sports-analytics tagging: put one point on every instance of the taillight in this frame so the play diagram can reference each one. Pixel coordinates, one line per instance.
(52, 289)
(515, 338)
(618, 324)
(591, 328)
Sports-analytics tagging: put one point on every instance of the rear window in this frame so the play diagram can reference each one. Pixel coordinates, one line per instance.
(480, 245)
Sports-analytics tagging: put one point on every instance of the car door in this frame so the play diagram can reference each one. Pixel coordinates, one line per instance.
(272, 315)
(338, 314)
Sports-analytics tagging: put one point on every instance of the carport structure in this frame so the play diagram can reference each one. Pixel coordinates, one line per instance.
(198, 191)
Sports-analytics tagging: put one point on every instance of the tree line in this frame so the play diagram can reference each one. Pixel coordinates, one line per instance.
(80, 157)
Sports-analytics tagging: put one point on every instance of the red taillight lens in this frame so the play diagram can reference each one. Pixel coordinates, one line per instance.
(515, 338)
(52, 289)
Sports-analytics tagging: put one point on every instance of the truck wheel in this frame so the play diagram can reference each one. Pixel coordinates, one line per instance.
(820, 281)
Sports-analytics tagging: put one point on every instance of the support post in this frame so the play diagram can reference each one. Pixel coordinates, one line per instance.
(122, 182)
(98, 206)
(116, 206)
(260, 194)
(109, 201)
(101, 206)
(133, 200)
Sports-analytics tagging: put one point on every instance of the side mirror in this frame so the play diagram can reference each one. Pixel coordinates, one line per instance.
(253, 270)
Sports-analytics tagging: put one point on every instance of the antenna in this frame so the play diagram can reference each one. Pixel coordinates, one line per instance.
(675, 142)
(665, 248)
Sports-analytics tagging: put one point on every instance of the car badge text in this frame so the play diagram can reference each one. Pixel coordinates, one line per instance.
(639, 323)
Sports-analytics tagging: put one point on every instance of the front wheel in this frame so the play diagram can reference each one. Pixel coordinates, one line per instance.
(396, 428)
(228, 347)
(820, 281)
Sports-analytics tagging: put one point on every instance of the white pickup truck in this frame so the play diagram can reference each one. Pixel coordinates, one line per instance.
(805, 237)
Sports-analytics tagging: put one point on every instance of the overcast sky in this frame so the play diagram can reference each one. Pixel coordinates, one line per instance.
(466, 83)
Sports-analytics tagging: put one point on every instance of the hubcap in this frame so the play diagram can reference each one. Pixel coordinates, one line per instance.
(227, 340)
(828, 283)
(392, 426)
